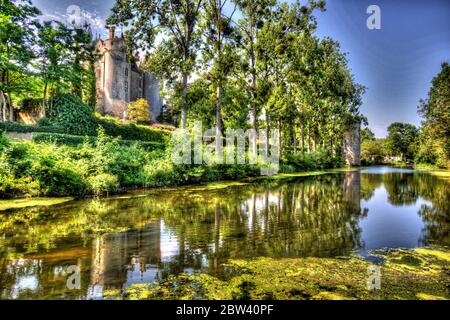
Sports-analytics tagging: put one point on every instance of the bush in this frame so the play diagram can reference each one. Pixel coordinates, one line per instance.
(314, 161)
(25, 128)
(62, 139)
(29, 168)
(103, 183)
(73, 140)
(302, 161)
(113, 128)
(4, 141)
(138, 111)
(69, 112)
(56, 172)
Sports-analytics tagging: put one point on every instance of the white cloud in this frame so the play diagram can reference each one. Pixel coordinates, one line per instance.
(74, 15)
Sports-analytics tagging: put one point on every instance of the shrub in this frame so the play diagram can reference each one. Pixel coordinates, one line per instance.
(103, 183)
(160, 172)
(62, 139)
(56, 172)
(24, 128)
(138, 111)
(4, 141)
(314, 161)
(73, 140)
(30, 168)
(113, 128)
(69, 112)
(303, 161)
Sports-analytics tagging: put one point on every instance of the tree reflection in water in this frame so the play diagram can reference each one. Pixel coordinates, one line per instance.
(124, 240)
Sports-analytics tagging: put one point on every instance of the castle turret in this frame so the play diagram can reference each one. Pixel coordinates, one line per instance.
(120, 81)
(351, 148)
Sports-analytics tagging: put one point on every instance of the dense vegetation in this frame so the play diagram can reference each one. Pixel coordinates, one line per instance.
(427, 145)
(260, 66)
(265, 69)
(434, 139)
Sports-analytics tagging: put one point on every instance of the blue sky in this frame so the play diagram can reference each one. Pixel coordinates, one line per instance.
(395, 63)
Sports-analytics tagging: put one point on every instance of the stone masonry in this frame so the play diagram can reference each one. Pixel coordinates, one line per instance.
(120, 81)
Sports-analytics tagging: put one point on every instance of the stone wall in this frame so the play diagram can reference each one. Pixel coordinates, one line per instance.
(151, 94)
(113, 78)
(120, 81)
(19, 135)
(352, 147)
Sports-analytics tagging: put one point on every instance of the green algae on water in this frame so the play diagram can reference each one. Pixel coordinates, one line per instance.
(33, 202)
(406, 274)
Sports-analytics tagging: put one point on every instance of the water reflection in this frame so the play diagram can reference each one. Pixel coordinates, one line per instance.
(127, 240)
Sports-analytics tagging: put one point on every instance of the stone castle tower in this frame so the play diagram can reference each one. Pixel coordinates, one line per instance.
(351, 148)
(120, 81)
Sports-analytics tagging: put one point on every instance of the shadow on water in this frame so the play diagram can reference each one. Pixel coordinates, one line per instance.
(139, 239)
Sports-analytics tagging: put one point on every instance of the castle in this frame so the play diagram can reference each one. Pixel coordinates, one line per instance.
(119, 80)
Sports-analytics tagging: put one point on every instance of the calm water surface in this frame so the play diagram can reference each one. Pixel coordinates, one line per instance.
(144, 237)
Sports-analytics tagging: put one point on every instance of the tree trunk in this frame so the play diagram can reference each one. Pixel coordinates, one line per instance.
(184, 106)
(267, 133)
(309, 140)
(253, 106)
(315, 142)
(2, 106)
(219, 119)
(303, 139)
(294, 138)
(11, 108)
(279, 138)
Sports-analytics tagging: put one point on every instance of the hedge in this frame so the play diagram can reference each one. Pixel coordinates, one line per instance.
(132, 131)
(73, 140)
(25, 128)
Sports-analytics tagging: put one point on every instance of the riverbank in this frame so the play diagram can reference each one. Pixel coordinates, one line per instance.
(17, 203)
(405, 274)
(105, 166)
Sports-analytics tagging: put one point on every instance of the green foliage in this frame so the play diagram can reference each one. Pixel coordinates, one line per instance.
(434, 141)
(69, 112)
(114, 128)
(99, 166)
(367, 134)
(17, 28)
(401, 140)
(32, 169)
(138, 111)
(313, 161)
(72, 140)
(373, 151)
(103, 183)
(61, 139)
(24, 128)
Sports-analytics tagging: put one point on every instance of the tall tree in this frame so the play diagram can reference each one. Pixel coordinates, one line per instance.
(254, 13)
(435, 134)
(53, 57)
(219, 52)
(17, 24)
(176, 19)
(401, 140)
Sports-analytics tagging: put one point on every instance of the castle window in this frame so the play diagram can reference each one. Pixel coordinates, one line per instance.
(126, 72)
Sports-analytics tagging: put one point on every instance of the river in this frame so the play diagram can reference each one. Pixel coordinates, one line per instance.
(145, 236)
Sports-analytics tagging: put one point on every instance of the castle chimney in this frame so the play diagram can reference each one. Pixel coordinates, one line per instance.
(112, 30)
